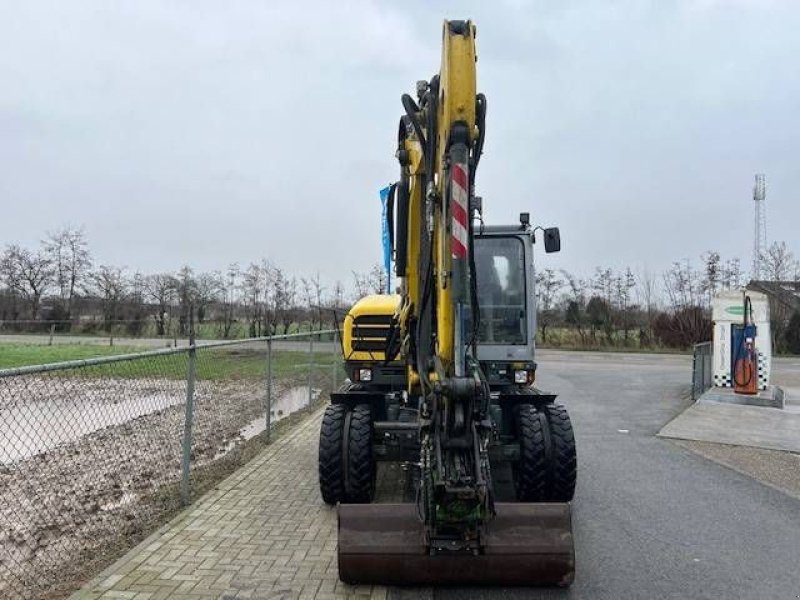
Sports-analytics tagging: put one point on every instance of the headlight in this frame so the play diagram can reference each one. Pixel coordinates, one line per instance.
(365, 374)
(520, 377)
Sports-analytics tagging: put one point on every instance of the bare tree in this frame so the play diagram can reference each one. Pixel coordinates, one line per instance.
(575, 313)
(377, 279)
(548, 285)
(732, 274)
(228, 286)
(10, 275)
(137, 289)
(319, 289)
(68, 252)
(337, 299)
(689, 320)
(603, 284)
(277, 298)
(623, 285)
(268, 311)
(778, 262)
(608, 290)
(336, 303)
(160, 290)
(285, 300)
(682, 285)
(598, 310)
(361, 286)
(186, 293)
(111, 286)
(136, 304)
(208, 289)
(647, 295)
(253, 296)
(28, 273)
(712, 275)
(312, 290)
(371, 282)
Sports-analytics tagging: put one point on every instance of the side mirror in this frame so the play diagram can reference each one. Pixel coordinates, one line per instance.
(552, 240)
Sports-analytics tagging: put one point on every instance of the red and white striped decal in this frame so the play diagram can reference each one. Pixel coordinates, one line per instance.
(459, 202)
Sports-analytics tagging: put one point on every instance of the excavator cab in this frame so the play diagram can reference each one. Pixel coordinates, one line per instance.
(506, 299)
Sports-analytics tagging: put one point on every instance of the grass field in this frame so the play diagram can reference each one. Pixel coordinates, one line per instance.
(20, 355)
(213, 364)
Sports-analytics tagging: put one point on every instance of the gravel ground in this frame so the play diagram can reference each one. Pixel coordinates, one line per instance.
(778, 469)
(90, 493)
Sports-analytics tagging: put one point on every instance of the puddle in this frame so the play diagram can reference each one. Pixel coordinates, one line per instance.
(39, 427)
(35, 428)
(292, 401)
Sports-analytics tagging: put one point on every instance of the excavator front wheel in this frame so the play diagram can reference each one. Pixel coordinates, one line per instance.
(547, 467)
(564, 471)
(331, 472)
(530, 473)
(347, 470)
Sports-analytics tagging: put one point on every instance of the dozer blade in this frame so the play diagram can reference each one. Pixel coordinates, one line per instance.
(526, 544)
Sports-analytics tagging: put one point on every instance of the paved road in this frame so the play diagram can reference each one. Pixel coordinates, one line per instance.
(652, 519)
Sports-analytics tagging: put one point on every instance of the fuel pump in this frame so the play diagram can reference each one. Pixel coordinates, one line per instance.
(745, 357)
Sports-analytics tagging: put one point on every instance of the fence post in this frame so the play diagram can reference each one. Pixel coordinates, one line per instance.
(703, 371)
(186, 461)
(269, 387)
(52, 331)
(310, 367)
(694, 373)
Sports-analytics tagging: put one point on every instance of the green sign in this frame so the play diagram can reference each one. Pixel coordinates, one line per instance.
(735, 310)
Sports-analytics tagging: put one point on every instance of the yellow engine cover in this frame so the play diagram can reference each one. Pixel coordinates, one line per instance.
(366, 327)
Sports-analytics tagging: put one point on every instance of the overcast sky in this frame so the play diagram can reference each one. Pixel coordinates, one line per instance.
(208, 132)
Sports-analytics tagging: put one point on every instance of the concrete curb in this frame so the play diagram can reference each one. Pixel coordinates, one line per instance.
(737, 425)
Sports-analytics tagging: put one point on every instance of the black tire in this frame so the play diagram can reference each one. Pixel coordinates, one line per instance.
(530, 473)
(563, 456)
(360, 484)
(331, 465)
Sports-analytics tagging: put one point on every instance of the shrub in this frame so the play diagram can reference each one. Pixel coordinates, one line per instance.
(792, 334)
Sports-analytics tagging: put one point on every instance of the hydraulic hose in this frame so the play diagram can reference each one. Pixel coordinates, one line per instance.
(480, 117)
(741, 350)
(412, 109)
(390, 214)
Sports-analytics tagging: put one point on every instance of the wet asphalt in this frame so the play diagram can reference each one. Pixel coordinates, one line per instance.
(652, 519)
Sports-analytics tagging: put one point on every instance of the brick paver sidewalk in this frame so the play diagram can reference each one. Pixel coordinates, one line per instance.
(263, 533)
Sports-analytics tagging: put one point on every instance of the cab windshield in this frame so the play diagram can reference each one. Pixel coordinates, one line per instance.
(500, 274)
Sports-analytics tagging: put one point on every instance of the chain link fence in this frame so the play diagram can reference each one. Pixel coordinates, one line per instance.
(168, 332)
(95, 454)
(701, 369)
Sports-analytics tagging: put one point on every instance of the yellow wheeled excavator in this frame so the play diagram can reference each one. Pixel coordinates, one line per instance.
(441, 375)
